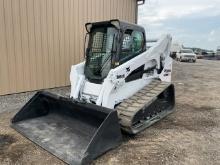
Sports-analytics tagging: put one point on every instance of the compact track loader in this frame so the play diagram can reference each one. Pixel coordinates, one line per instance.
(122, 85)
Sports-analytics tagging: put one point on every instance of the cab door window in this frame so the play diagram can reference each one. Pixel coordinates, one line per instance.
(132, 45)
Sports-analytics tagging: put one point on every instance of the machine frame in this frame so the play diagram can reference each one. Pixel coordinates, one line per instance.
(114, 88)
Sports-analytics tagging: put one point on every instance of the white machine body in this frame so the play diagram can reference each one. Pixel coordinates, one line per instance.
(114, 88)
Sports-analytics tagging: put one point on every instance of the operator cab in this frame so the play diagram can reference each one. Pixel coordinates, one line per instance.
(110, 44)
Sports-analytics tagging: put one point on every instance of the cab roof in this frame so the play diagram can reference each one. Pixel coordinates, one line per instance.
(122, 25)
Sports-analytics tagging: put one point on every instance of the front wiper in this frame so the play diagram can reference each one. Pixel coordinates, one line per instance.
(107, 59)
(104, 64)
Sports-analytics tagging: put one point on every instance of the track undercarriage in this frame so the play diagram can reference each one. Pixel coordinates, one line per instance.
(146, 107)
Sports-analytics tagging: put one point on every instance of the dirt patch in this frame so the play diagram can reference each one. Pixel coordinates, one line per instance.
(205, 108)
(6, 140)
(201, 119)
(198, 124)
(9, 150)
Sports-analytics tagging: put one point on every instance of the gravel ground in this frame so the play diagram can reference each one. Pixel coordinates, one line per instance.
(191, 135)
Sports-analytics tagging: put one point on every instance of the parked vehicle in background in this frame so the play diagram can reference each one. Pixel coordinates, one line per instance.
(211, 53)
(186, 55)
(199, 56)
(175, 47)
(218, 51)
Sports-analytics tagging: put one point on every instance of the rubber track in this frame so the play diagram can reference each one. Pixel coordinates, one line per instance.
(143, 98)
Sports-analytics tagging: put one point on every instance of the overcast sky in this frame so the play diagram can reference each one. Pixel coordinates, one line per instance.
(194, 23)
